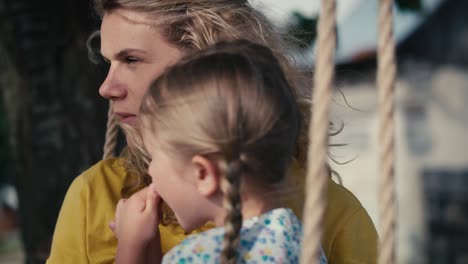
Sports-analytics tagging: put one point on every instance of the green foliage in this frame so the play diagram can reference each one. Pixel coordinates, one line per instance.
(303, 31)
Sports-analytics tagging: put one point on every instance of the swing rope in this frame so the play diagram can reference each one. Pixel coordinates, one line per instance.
(111, 134)
(317, 176)
(386, 76)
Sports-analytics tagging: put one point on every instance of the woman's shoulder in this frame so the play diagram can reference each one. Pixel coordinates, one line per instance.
(81, 234)
(102, 182)
(347, 223)
(341, 199)
(106, 171)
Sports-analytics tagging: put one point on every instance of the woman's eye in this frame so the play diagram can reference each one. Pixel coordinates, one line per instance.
(130, 60)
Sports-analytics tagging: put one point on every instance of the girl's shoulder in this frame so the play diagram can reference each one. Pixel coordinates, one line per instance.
(274, 236)
(203, 247)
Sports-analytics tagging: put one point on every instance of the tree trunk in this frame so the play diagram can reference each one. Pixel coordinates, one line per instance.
(57, 118)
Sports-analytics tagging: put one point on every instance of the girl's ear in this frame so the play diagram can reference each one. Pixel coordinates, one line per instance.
(206, 175)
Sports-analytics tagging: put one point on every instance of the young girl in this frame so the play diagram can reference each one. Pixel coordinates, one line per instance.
(220, 129)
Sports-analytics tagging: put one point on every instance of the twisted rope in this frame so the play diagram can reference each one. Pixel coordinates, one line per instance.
(111, 134)
(386, 82)
(317, 176)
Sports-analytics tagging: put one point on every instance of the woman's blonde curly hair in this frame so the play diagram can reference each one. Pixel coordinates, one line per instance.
(194, 25)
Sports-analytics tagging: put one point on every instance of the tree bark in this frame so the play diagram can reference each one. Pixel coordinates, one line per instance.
(57, 117)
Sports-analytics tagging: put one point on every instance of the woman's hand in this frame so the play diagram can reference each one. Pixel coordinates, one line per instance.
(137, 218)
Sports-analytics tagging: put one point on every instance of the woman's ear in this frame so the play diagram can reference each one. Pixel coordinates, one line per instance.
(206, 175)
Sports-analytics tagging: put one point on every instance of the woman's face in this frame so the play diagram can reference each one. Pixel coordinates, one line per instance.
(137, 54)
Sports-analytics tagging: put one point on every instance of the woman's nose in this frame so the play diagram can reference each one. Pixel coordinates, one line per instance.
(112, 88)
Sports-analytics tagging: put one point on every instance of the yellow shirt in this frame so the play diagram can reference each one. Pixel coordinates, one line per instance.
(82, 234)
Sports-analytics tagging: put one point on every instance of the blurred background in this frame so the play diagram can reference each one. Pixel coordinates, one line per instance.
(52, 119)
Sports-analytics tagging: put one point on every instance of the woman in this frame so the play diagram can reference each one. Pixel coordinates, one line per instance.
(140, 38)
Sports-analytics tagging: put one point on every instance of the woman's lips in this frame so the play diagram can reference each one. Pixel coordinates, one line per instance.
(127, 118)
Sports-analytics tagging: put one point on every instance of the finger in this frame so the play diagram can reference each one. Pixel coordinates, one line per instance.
(112, 227)
(133, 204)
(152, 199)
(137, 201)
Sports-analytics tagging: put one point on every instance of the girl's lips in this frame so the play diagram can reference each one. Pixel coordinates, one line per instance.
(127, 118)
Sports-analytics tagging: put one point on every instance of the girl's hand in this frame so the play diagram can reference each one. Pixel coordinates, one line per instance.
(137, 218)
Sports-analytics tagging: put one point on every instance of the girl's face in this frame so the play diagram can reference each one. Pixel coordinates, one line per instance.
(137, 54)
(175, 180)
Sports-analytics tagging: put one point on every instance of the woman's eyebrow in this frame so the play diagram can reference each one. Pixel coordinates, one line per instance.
(125, 53)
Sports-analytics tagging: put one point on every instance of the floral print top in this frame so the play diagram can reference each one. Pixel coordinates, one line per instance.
(274, 237)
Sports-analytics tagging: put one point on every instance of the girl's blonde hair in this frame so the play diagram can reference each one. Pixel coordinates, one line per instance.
(195, 25)
(233, 104)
